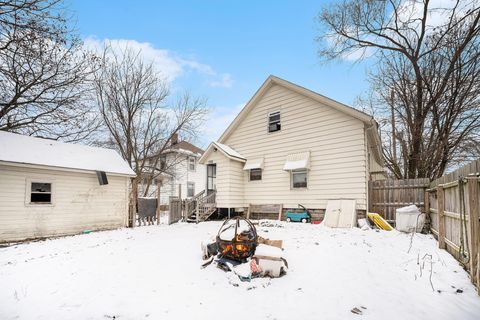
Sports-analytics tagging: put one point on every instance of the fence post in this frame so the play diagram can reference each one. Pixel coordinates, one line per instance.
(132, 214)
(441, 217)
(472, 185)
(159, 185)
(197, 215)
(426, 207)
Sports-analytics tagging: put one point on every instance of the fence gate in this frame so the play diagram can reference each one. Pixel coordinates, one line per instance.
(147, 211)
(385, 196)
(175, 210)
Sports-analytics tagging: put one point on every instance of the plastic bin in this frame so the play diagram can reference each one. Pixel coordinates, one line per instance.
(406, 219)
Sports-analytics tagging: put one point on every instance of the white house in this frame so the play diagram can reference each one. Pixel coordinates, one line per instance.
(291, 146)
(182, 174)
(49, 188)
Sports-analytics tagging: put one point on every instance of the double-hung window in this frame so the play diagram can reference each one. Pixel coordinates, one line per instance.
(299, 178)
(40, 192)
(191, 163)
(274, 121)
(190, 189)
(255, 174)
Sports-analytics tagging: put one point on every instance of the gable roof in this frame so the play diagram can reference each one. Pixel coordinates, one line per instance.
(226, 150)
(273, 80)
(20, 149)
(187, 146)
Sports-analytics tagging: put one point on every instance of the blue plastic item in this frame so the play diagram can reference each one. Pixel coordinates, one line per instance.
(299, 216)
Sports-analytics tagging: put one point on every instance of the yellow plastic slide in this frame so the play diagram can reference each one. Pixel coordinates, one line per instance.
(379, 221)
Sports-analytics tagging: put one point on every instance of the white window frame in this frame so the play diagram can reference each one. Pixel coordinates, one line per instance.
(292, 172)
(190, 183)
(194, 164)
(28, 192)
(250, 172)
(279, 121)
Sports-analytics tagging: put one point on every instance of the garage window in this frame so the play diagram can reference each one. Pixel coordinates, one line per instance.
(40, 193)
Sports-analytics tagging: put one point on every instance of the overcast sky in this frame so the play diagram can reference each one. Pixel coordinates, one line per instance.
(223, 50)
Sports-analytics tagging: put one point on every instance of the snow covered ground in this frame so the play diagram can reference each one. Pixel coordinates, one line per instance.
(154, 273)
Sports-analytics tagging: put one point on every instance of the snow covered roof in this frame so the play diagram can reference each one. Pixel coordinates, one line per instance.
(17, 148)
(228, 151)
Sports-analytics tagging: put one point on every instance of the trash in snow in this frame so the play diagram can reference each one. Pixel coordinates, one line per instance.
(271, 223)
(356, 311)
(239, 250)
(363, 224)
(379, 221)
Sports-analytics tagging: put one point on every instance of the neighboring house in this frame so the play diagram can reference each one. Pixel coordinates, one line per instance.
(182, 174)
(291, 146)
(49, 188)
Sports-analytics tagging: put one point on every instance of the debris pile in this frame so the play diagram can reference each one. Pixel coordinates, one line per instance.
(238, 249)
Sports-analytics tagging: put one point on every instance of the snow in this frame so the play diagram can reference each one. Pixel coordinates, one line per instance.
(154, 272)
(269, 251)
(36, 151)
(228, 150)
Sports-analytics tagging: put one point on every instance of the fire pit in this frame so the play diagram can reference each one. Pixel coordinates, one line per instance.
(237, 239)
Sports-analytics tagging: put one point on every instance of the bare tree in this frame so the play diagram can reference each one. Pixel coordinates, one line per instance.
(426, 78)
(133, 101)
(44, 73)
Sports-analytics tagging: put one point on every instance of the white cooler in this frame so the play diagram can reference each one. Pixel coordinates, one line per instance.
(406, 219)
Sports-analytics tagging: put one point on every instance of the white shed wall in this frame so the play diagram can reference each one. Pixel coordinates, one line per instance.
(80, 203)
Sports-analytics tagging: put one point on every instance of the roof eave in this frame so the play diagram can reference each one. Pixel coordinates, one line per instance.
(48, 167)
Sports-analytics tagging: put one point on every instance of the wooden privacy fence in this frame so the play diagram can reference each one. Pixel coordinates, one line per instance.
(147, 211)
(386, 196)
(453, 207)
(175, 212)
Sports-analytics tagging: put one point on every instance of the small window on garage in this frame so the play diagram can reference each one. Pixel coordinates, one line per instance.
(274, 121)
(190, 189)
(255, 174)
(299, 179)
(40, 192)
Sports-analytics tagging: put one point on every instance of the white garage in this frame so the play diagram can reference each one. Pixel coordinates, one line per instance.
(49, 188)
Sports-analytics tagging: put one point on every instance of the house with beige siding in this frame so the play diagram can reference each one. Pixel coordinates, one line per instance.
(291, 146)
(49, 188)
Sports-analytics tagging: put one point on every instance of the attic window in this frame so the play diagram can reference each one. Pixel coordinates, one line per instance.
(274, 121)
(40, 192)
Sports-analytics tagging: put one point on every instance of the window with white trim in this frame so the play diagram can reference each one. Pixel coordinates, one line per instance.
(255, 174)
(192, 163)
(274, 121)
(190, 189)
(40, 193)
(299, 178)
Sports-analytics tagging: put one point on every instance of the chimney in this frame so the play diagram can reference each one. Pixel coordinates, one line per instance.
(174, 138)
